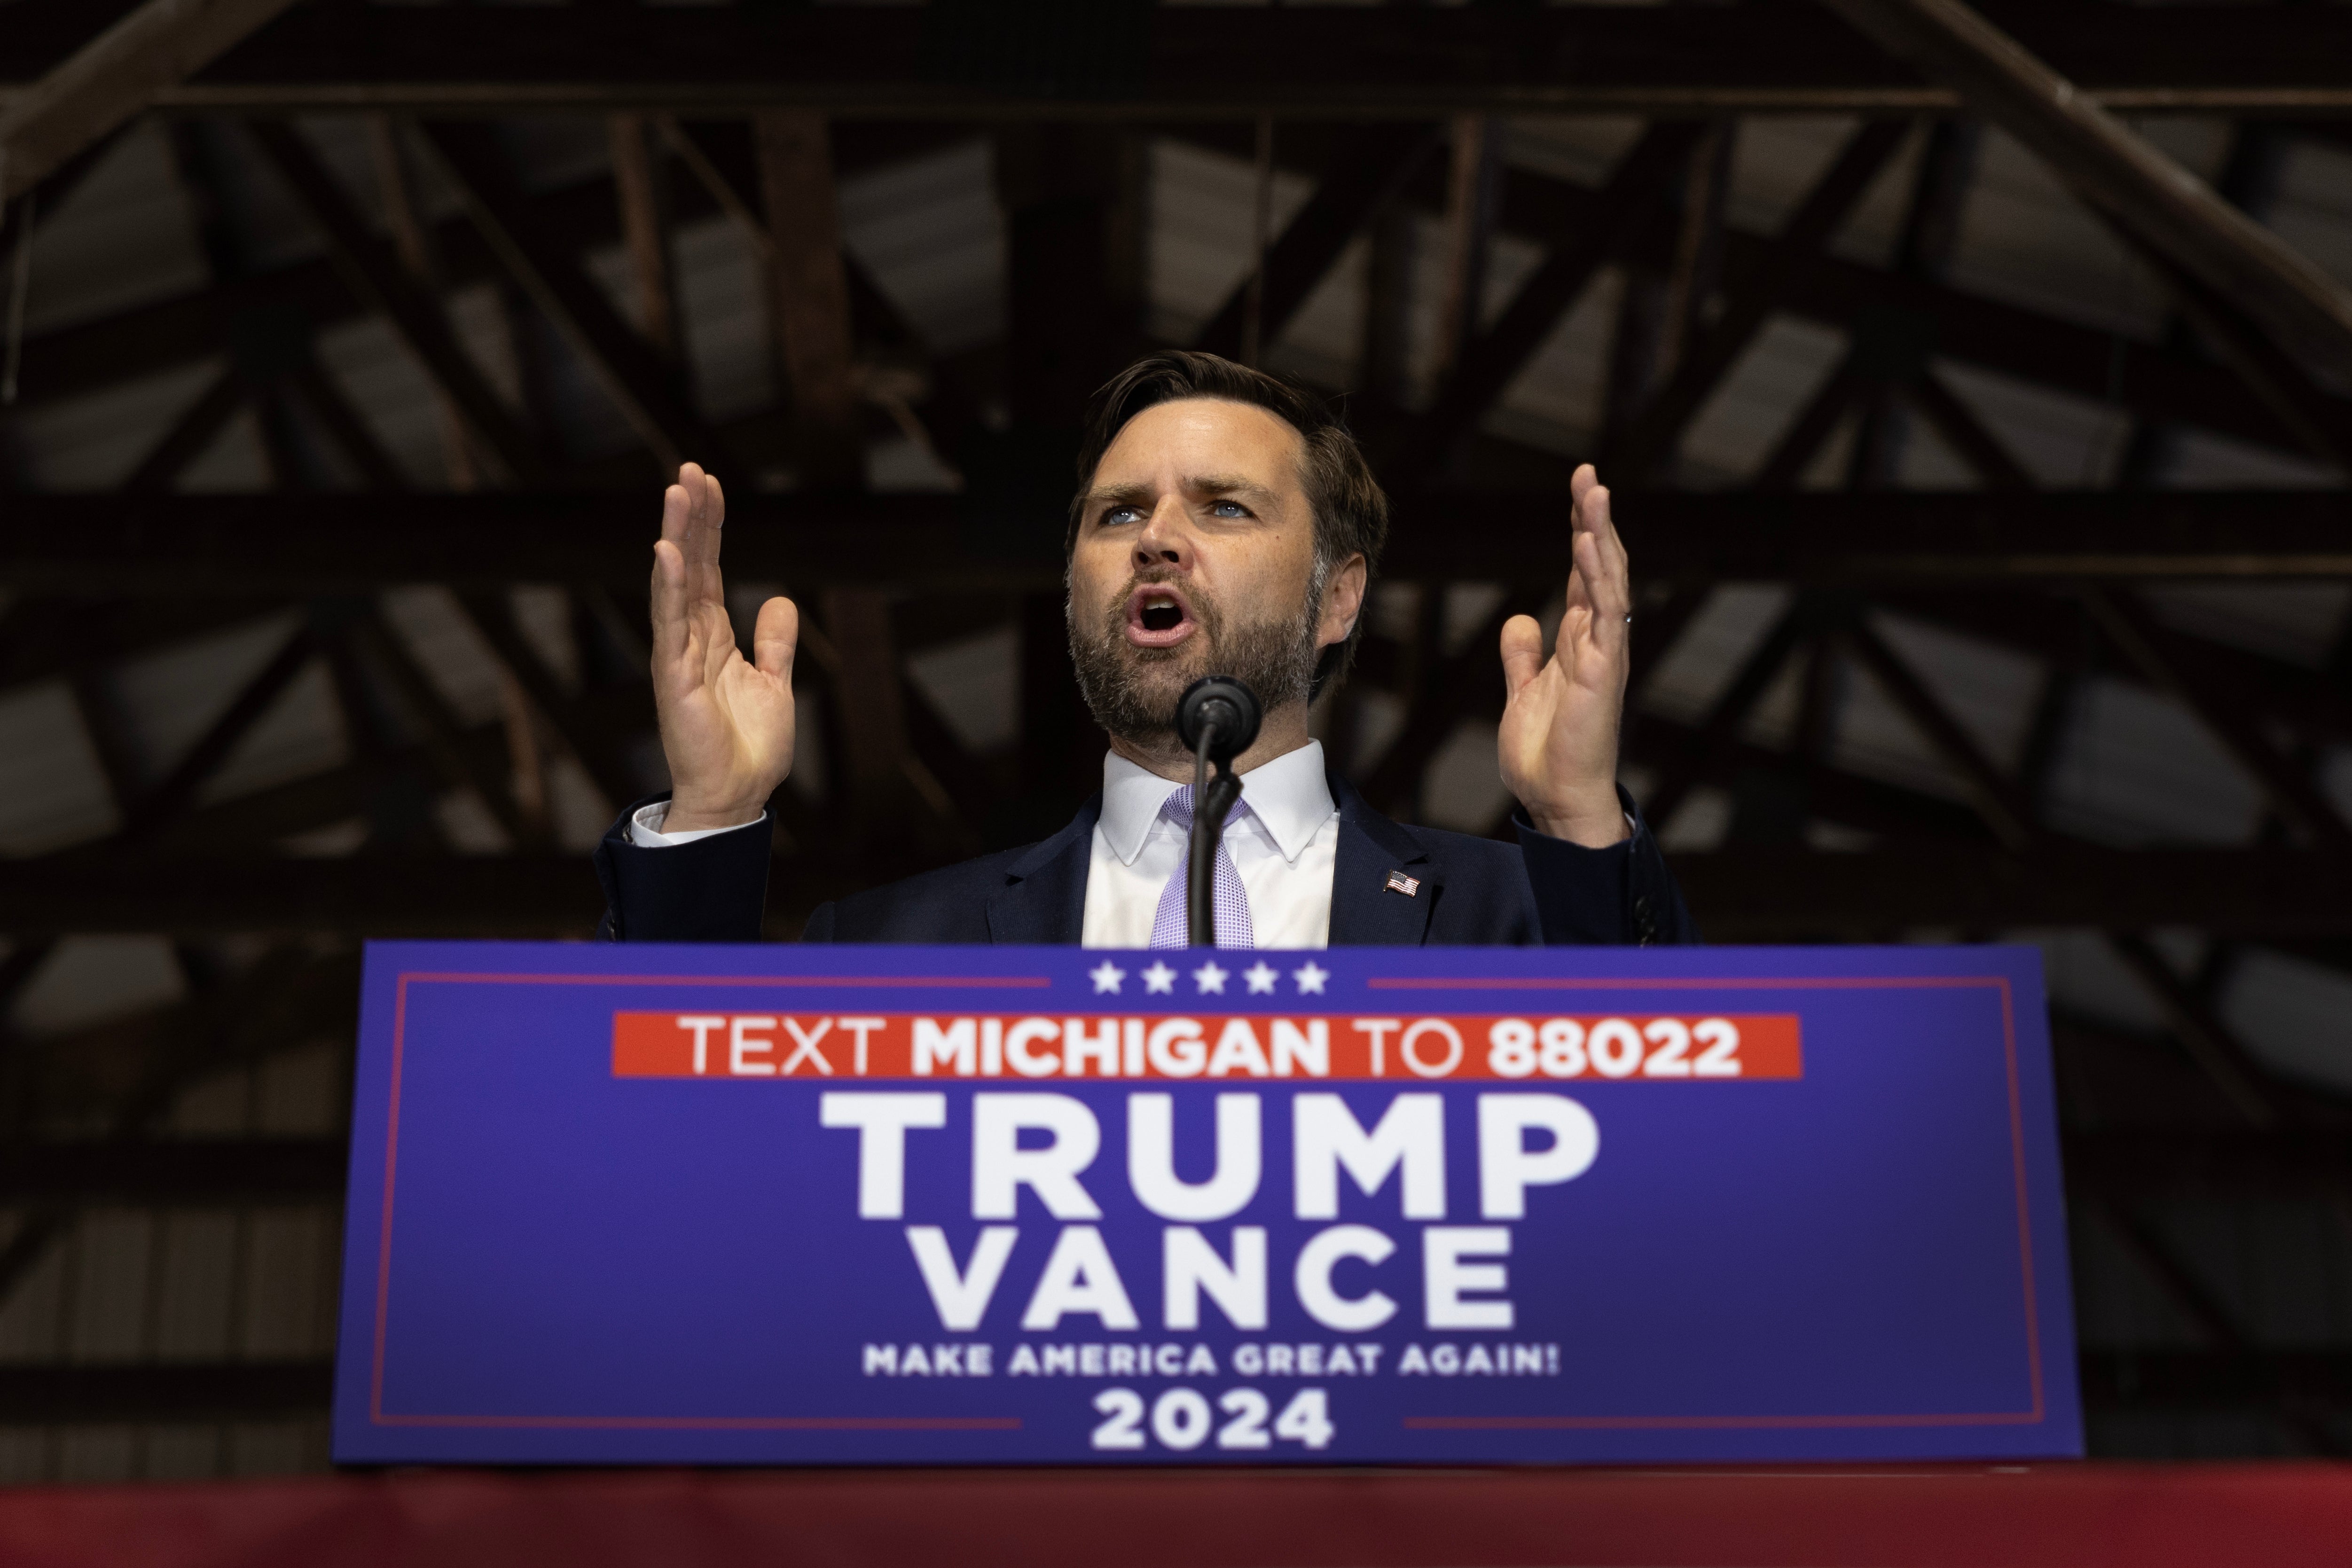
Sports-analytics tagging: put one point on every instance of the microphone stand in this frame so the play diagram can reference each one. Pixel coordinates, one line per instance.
(1211, 799)
(1217, 717)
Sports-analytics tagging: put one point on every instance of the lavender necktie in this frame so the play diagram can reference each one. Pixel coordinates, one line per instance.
(1169, 926)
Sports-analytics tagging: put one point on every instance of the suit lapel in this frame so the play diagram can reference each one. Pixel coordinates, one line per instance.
(1044, 902)
(1364, 911)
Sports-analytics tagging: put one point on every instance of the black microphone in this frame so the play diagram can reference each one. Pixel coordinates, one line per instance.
(1221, 711)
(1217, 718)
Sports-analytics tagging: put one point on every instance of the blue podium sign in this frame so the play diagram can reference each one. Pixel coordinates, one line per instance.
(1043, 1206)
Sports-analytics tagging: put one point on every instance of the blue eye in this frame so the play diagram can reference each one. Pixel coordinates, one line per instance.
(1230, 509)
(1121, 514)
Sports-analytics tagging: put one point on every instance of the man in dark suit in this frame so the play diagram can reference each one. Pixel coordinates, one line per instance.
(1227, 523)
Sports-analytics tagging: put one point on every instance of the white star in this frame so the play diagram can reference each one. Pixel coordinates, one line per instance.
(1160, 979)
(1310, 978)
(1106, 977)
(1210, 978)
(1261, 977)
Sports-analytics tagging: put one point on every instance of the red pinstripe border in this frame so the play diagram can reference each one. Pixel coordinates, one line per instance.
(1442, 1422)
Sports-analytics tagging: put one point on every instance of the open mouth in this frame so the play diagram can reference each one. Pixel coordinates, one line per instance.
(1158, 616)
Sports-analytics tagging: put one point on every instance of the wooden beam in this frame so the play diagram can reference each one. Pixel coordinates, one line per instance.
(1688, 767)
(1930, 235)
(236, 546)
(2142, 1381)
(2209, 1043)
(1996, 799)
(2059, 630)
(114, 76)
(1796, 894)
(724, 161)
(1965, 431)
(412, 241)
(871, 716)
(543, 265)
(2318, 419)
(192, 1039)
(44, 638)
(809, 313)
(41, 202)
(177, 793)
(2294, 793)
(378, 280)
(1897, 813)
(1660, 309)
(263, 817)
(264, 338)
(1384, 370)
(346, 425)
(1696, 270)
(1658, 626)
(2174, 385)
(195, 1173)
(1075, 203)
(638, 181)
(1362, 176)
(462, 895)
(809, 297)
(1486, 365)
(2160, 1261)
(587, 728)
(2114, 168)
(1459, 689)
(439, 728)
(1784, 467)
(1223, 63)
(1651, 440)
(198, 425)
(2209, 1163)
(1075, 207)
(71, 1393)
(1971, 328)
(1473, 172)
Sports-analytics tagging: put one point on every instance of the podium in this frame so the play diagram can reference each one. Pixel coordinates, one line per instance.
(905, 1206)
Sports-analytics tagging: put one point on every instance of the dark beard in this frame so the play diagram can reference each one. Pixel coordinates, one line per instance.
(1132, 691)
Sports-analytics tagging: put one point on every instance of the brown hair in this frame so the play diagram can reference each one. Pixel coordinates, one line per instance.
(1352, 512)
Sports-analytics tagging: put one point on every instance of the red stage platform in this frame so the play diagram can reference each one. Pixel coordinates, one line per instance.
(2286, 1515)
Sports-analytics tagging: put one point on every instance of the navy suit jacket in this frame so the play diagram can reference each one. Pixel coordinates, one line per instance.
(1541, 891)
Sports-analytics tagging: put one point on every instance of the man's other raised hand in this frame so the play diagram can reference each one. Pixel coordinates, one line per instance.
(726, 722)
(1558, 742)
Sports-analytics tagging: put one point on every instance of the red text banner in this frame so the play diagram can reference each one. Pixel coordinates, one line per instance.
(1644, 1046)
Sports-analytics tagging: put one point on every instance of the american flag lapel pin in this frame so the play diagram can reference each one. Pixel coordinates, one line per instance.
(1400, 883)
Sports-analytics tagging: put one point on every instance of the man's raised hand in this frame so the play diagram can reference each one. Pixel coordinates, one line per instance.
(1558, 740)
(726, 722)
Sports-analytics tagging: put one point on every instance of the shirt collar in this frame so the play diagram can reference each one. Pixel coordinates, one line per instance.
(1288, 796)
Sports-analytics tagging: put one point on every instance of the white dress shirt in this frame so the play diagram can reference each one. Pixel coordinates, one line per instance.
(645, 828)
(1285, 845)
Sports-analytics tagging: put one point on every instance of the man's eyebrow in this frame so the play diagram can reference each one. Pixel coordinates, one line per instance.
(1120, 495)
(1227, 485)
(1143, 495)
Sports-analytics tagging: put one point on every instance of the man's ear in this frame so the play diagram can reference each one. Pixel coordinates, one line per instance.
(1343, 601)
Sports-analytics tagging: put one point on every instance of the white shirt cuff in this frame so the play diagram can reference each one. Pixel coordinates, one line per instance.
(645, 828)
